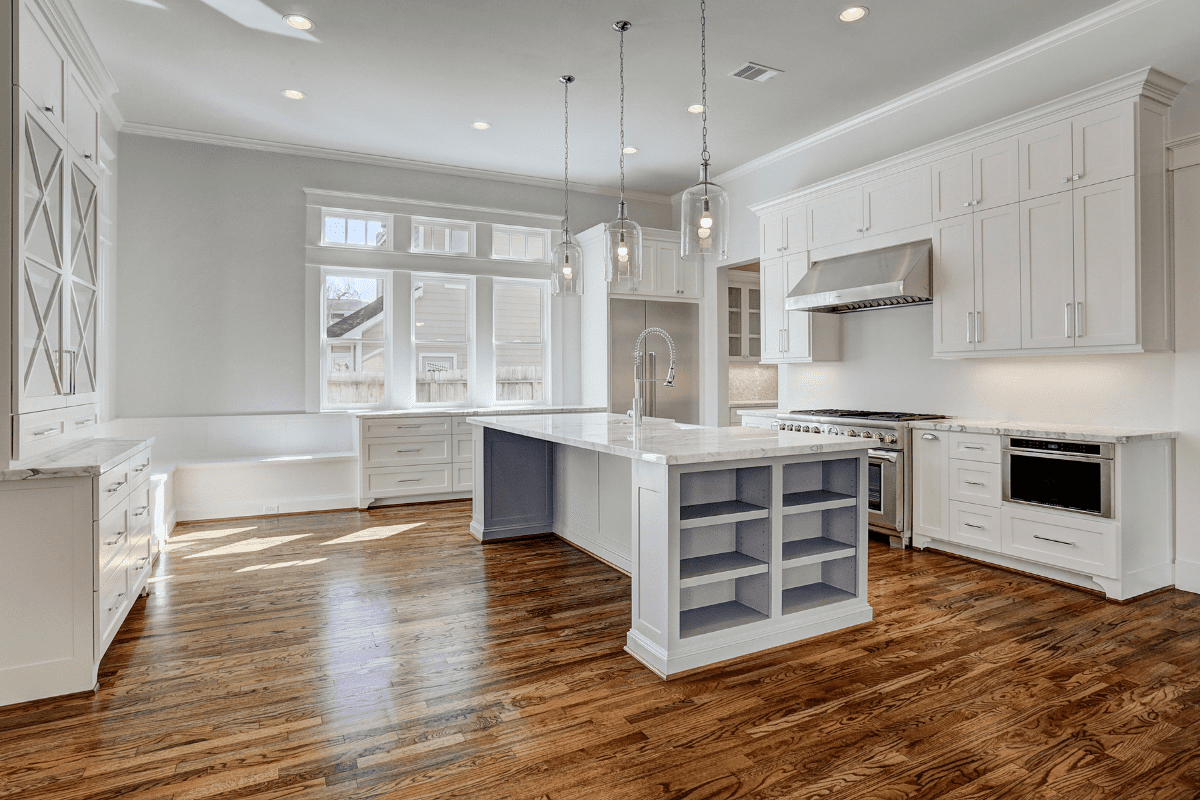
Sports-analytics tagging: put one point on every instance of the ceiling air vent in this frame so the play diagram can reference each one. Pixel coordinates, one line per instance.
(755, 72)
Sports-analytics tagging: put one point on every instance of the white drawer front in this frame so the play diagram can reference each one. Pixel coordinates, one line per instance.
(463, 448)
(977, 526)
(139, 467)
(139, 559)
(464, 478)
(1079, 544)
(399, 481)
(111, 601)
(113, 487)
(405, 426)
(139, 505)
(406, 451)
(975, 447)
(112, 535)
(462, 427)
(975, 482)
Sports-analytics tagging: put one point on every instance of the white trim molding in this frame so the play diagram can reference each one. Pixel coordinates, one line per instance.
(83, 54)
(1187, 575)
(1183, 152)
(394, 162)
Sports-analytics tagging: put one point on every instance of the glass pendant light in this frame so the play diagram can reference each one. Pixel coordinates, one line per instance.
(704, 213)
(622, 236)
(567, 276)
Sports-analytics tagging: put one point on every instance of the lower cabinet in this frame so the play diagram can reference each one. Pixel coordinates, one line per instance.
(929, 484)
(978, 526)
(1074, 543)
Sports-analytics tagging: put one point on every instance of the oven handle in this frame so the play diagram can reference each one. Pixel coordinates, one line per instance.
(884, 455)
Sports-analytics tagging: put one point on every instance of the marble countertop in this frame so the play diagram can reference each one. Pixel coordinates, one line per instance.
(666, 442)
(764, 404)
(759, 412)
(494, 411)
(86, 459)
(1044, 430)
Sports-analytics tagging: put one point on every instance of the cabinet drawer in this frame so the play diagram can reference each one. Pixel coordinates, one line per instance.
(111, 601)
(139, 505)
(462, 427)
(975, 447)
(404, 451)
(464, 449)
(112, 488)
(464, 478)
(975, 525)
(399, 481)
(139, 467)
(1078, 544)
(975, 482)
(139, 559)
(112, 535)
(405, 426)
(38, 432)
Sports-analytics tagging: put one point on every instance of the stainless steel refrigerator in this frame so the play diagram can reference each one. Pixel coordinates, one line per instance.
(627, 320)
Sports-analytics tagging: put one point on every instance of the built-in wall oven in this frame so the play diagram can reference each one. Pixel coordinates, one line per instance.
(1058, 473)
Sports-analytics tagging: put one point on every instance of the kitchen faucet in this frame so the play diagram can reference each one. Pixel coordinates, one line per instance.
(636, 411)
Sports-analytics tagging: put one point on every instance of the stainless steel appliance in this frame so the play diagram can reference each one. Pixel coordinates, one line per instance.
(889, 276)
(889, 469)
(1058, 473)
(681, 321)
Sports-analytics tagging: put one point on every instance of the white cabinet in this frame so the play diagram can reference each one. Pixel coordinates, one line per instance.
(976, 180)
(42, 65)
(1103, 145)
(782, 231)
(897, 202)
(975, 525)
(743, 307)
(1045, 160)
(1072, 542)
(1106, 291)
(1047, 272)
(794, 336)
(83, 117)
(929, 484)
(951, 187)
(953, 285)
(664, 273)
(835, 218)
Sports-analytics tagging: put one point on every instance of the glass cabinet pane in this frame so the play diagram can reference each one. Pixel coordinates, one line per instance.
(735, 346)
(754, 324)
(735, 297)
(753, 297)
(755, 347)
(735, 322)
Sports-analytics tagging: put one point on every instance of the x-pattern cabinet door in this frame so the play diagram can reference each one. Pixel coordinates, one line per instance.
(79, 348)
(42, 271)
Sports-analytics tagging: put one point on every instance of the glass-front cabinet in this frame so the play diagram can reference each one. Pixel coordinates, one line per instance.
(744, 308)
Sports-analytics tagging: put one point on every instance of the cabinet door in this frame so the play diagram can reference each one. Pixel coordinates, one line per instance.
(649, 270)
(771, 281)
(929, 484)
(1045, 160)
(994, 175)
(795, 229)
(998, 278)
(82, 117)
(1105, 264)
(753, 325)
(954, 285)
(770, 235)
(1047, 272)
(835, 219)
(951, 187)
(82, 290)
(42, 270)
(797, 339)
(976, 526)
(674, 277)
(735, 310)
(1102, 144)
(42, 66)
(897, 202)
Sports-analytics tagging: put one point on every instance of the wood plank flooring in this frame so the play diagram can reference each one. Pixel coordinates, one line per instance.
(386, 654)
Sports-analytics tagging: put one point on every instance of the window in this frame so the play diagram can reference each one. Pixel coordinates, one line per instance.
(446, 236)
(518, 313)
(520, 244)
(354, 229)
(441, 334)
(354, 339)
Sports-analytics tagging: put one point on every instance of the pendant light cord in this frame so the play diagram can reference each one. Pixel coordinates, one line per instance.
(566, 158)
(704, 154)
(622, 32)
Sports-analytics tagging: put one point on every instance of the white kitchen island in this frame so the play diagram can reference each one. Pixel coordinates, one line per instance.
(736, 539)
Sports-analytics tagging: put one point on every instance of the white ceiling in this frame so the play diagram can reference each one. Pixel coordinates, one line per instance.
(407, 79)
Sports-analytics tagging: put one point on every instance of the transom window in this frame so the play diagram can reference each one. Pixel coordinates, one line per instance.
(520, 244)
(445, 236)
(519, 321)
(354, 229)
(354, 339)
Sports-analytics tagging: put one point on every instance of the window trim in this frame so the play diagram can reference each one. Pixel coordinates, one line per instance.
(415, 222)
(547, 246)
(544, 287)
(387, 219)
(324, 342)
(469, 341)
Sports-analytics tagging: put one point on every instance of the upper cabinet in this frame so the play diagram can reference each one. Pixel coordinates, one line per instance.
(975, 180)
(42, 66)
(892, 203)
(1094, 147)
(794, 337)
(783, 231)
(664, 273)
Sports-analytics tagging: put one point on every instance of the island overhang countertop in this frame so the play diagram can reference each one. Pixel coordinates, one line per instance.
(666, 442)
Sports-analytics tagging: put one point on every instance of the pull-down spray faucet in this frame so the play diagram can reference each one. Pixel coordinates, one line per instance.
(636, 412)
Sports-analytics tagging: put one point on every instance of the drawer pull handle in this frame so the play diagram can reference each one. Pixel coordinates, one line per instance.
(79, 423)
(928, 436)
(141, 511)
(118, 601)
(141, 563)
(1056, 541)
(143, 467)
(970, 525)
(116, 486)
(407, 480)
(409, 451)
(45, 431)
(971, 447)
(974, 483)
(115, 539)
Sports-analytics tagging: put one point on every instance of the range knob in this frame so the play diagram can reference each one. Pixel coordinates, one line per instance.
(807, 429)
(852, 432)
(879, 436)
(832, 431)
(891, 438)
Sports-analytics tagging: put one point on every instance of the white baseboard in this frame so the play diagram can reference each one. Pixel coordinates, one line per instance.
(1187, 575)
(254, 508)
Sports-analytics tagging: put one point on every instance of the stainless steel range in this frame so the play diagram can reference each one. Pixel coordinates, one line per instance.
(890, 469)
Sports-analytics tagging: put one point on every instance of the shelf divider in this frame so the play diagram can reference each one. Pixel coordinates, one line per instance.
(812, 595)
(719, 617)
(816, 500)
(724, 511)
(812, 551)
(718, 567)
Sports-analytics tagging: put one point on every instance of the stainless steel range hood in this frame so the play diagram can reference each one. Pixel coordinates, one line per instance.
(890, 276)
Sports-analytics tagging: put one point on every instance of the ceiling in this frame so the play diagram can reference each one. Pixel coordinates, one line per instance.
(407, 79)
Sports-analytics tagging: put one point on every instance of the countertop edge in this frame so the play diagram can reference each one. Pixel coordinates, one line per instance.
(36, 470)
(1045, 430)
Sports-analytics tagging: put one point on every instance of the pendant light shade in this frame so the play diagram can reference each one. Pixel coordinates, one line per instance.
(622, 236)
(567, 270)
(704, 212)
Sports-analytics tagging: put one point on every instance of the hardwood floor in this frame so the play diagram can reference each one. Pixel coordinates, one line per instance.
(386, 654)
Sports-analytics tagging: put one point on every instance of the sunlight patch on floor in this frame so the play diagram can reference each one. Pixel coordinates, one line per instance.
(373, 534)
(248, 546)
(200, 536)
(281, 565)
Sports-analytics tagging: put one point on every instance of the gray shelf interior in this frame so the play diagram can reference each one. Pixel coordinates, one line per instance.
(819, 481)
(808, 586)
(716, 564)
(718, 509)
(723, 492)
(817, 547)
(724, 604)
(717, 617)
(824, 498)
(812, 595)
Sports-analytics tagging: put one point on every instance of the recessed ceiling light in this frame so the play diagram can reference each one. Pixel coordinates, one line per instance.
(696, 109)
(483, 126)
(629, 151)
(293, 94)
(853, 13)
(299, 22)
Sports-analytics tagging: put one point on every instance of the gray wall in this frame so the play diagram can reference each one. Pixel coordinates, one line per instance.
(209, 316)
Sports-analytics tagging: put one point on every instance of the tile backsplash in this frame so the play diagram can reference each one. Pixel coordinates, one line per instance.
(753, 382)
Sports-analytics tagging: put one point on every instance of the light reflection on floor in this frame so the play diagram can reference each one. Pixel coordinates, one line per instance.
(281, 564)
(373, 534)
(199, 536)
(248, 546)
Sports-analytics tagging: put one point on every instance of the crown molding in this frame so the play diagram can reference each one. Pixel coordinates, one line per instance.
(1183, 152)
(83, 54)
(330, 198)
(1162, 88)
(394, 162)
(958, 79)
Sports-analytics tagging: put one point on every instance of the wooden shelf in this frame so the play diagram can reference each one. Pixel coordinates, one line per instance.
(815, 550)
(816, 500)
(718, 567)
(719, 617)
(813, 595)
(724, 511)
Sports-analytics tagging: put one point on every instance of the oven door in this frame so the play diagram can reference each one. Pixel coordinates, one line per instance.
(885, 491)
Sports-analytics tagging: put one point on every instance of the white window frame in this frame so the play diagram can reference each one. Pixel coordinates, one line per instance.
(386, 219)
(419, 278)
(388, 373)
(452, 224)
(544, 341)
(544, 233)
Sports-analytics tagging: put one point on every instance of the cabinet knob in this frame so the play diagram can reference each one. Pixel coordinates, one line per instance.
(1067, 180)
(858, 230)
(968, 203)
(1076, 177)
(87, 156)
(49, 109)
